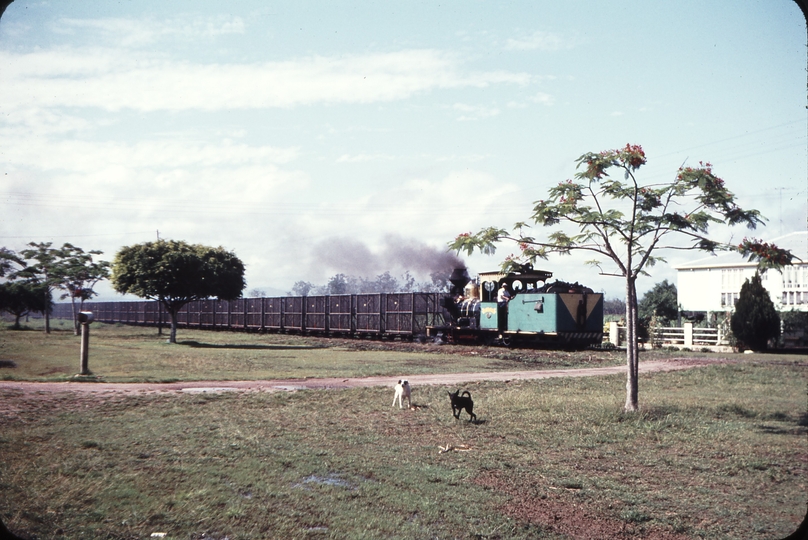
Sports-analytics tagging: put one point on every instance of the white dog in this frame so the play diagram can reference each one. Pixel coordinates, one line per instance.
(402, 392)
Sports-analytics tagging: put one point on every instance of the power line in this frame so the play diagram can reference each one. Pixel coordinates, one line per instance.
(72, 235)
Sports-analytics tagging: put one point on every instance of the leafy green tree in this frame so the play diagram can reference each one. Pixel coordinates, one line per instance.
(8, 261)
(175, 273)
(794, 321)
(19, 298)
(301, 288)
(44, 266)
(795, 325)
(614, 306)
(256, 293)
(383, 283)
(626, 223)
(755, 320)
(338, 284)
(69, 268)
(80, 274)
(409, 284)
(663, 301)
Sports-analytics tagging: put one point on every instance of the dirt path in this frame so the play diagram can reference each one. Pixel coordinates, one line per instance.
(276, 385)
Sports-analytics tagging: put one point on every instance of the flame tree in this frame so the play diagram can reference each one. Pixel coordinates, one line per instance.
(69, 268)
(626, 223)
(79, 275)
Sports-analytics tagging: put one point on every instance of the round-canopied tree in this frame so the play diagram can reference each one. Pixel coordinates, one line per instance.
(755, 320)
(175, 273)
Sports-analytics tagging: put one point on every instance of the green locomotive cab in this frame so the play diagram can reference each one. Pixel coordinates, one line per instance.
(560, 313)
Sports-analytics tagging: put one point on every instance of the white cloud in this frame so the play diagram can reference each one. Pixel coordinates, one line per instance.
(538, 40)
(360, 158)
(127, 32)
(111, 80)
(23, 122)
(542, 98)
(88, 156)
(475, 112)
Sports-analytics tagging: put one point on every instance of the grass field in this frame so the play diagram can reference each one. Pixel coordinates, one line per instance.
(716, 452)
(121, 353)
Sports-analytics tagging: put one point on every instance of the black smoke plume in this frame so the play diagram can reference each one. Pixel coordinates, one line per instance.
(396, 255)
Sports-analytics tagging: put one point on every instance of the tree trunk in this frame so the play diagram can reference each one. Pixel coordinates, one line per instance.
(632, 347)
(172, 337)
(76, 330)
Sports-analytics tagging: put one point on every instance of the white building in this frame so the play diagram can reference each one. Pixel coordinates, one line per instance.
(713, 284)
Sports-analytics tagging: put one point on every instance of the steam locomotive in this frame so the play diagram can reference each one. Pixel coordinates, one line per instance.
(521, 307)
(555, 314)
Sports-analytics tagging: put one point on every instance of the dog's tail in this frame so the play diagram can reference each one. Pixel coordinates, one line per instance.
(466, 393)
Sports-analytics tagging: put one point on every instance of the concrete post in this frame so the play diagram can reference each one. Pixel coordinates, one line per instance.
(614, 334)
(688, 334)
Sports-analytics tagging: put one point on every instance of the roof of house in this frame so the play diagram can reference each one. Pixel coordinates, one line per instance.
(796, 242)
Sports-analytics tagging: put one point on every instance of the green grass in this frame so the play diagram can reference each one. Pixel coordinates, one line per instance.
(718, 452)
(715, 452)
(121, 353)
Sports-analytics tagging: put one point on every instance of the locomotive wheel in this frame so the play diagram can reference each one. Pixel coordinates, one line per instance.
(506, 341)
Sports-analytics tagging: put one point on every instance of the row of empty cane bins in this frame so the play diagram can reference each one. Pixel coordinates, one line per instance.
(405, 314)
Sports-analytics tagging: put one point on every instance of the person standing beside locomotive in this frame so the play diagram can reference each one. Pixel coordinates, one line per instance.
(503, 297)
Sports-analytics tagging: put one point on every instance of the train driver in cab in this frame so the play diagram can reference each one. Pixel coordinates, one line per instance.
(503, 297)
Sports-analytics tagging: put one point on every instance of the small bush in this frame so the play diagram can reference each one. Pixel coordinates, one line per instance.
(755, 320)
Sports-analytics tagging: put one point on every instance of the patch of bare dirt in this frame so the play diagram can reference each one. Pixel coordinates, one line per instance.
(450, 379)
(563, 515)
(275, 385)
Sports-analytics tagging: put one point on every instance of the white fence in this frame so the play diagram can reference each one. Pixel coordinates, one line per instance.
(673, 336)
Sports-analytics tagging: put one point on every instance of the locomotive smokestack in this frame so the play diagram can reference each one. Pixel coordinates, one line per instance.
(459, 279)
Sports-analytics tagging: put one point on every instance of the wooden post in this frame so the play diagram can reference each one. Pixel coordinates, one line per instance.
(85, 348)
(85, 318)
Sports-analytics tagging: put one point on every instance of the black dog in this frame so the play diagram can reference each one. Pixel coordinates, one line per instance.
(460, 402)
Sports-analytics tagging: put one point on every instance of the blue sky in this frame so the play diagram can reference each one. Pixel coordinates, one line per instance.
(313, 138)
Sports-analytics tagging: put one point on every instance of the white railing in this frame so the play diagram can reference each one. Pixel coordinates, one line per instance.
(675, 336)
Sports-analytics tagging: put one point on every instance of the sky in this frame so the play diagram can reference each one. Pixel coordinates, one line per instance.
(316, 138)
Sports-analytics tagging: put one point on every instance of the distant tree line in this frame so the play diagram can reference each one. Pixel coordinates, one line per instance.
(382, 283)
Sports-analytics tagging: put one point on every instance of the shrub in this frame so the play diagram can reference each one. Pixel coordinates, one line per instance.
(755, 320)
